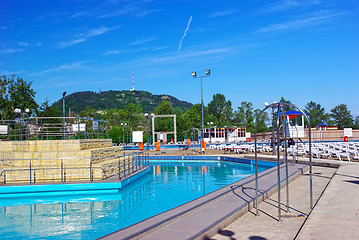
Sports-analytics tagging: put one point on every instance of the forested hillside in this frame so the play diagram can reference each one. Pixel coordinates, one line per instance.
(119, 99)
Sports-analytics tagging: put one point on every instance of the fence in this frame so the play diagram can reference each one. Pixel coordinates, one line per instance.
(48, 128)
(30, 171)
(317, 135)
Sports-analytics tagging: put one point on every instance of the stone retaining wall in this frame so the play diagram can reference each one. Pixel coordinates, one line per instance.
(53, 160)
(54, 145)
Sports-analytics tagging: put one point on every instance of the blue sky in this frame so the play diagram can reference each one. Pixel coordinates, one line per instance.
(256, 50)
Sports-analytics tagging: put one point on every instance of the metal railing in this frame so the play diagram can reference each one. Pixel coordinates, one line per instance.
(49, 128)
(72, 169)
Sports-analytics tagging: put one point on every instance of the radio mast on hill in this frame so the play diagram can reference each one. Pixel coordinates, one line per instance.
(133, 82)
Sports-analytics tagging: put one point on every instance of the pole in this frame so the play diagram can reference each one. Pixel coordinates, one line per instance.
(63, 119)
(273, 131)
(123, 134)
(202, 133)
(278, 164)
(148, 133)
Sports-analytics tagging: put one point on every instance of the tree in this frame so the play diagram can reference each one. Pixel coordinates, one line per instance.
(316, 113)
(356, 122)
(341, 116)
(244, 116)
(262, 122)
(194, 116)
(133, 115)
(164, 108)
(114, 116)
(221, 109)
(16, 93)
(164, 124)
(287, 108)
(46, 110)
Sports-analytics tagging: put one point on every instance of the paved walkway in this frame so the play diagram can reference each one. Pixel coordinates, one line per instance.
(335, 215)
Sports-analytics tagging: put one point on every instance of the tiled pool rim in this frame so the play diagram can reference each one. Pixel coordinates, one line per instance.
(38, 190)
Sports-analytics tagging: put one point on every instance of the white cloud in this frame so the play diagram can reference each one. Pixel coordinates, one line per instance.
(184, 34)
(142, 41)
(111, 52)
(125, 10)
(316, 19)
(6, 27)
(77, 14)
(144, 13)
(79, 65)
(11, 50)
(23, 44)
(82, 37)
(96, 32)
(221, 14)
(288, 4)
(71, 42)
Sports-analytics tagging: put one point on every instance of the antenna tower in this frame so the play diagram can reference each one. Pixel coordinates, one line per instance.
(133, 82)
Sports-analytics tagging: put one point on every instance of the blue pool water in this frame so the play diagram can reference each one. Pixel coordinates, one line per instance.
(169, 184)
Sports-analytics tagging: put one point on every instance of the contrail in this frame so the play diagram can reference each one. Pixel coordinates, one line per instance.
(185, 32)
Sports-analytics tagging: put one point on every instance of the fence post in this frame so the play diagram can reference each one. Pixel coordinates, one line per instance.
(62, 171)
(119, 168)
(91, 177)
(30, 170)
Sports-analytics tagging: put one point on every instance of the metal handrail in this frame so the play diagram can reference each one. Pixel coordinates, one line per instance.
(127, 165)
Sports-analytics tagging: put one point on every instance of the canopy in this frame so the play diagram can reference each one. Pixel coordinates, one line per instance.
(292, 114)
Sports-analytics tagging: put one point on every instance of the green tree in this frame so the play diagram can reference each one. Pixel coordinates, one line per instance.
(114, 116)
(194, 117)
(46, 110)
(262, 125)
(356, 122)
(115, 133)
(164, 108)
(16, 93)
(221, 109)
(244, 116)
(316, 113)
(341, 116)
(133, 115)
(88, 113)
(164, 124)
(287, 108)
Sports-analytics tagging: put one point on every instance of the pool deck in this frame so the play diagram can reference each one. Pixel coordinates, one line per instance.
(335, 214)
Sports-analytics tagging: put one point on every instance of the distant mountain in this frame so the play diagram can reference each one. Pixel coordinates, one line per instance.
(118, 99)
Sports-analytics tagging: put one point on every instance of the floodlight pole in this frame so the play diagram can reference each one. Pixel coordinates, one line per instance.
(63, 115)
(194, 74)
(148, 131)
(123, 133)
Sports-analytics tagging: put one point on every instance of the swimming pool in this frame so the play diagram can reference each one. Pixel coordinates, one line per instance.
(170, 183)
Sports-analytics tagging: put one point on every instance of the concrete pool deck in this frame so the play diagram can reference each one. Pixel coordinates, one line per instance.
(335, 215)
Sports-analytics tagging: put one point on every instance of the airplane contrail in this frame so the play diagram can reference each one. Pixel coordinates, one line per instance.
(185, 32)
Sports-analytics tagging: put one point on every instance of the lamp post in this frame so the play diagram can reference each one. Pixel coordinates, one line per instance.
(127, 138)
(194, 74)
(273, 107)
(123, 132)
(210, 134)
(69, 109)
(148, 131)
(63, 115)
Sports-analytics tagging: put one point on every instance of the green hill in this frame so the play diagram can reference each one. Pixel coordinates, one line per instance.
(118, 99)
